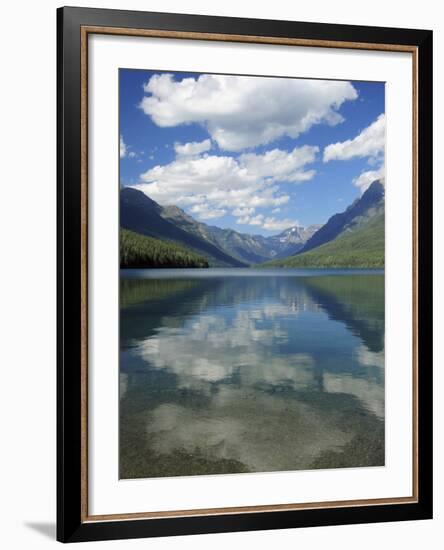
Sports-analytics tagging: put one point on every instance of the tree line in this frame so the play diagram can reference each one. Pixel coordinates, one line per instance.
(140, 251)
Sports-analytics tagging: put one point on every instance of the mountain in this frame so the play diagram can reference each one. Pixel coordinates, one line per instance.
(369, 205)
(251, 249)
(245, 248)
(292, 240)
(140, 251)
(140, 214)
(222, 247)
(362, 247)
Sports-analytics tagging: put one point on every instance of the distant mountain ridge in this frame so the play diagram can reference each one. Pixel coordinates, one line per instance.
(244, 247)
(140, 214)
(345, 239)
(370, 204)
(353, 238)
(292, 240)
(363, 247)
(223, 247)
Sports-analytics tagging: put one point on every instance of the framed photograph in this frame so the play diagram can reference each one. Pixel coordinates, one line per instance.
(245, 269)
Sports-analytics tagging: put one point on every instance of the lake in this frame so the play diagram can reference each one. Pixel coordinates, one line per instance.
(250, 370)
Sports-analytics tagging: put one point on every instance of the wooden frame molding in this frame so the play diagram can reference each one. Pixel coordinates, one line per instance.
(86, 22)
(85, 32)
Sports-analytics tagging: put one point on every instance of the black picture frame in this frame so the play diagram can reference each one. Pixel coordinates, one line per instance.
(71, 523)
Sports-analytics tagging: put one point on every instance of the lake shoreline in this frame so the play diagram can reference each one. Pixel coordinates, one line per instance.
(210, 272)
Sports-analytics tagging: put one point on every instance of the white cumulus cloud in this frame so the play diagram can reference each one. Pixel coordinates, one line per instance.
(267, 222)
(122, 148)
(241, 112)
(251, 220)
(272, 224)
(369, 143)
(364, 180)
(278, 165)
(205, 212)
(212, 185)
(192, 148)
(246, 211)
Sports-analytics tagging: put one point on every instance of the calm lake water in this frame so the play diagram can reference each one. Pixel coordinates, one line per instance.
(244, 370)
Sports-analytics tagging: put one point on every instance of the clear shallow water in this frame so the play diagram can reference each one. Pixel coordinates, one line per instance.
(243, 370)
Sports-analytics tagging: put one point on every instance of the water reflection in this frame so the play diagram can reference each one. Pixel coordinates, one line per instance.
(241, 374)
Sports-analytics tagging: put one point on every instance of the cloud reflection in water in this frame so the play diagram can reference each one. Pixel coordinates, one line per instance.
(259, 374)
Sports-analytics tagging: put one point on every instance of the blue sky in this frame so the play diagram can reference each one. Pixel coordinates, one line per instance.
(255, 154)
